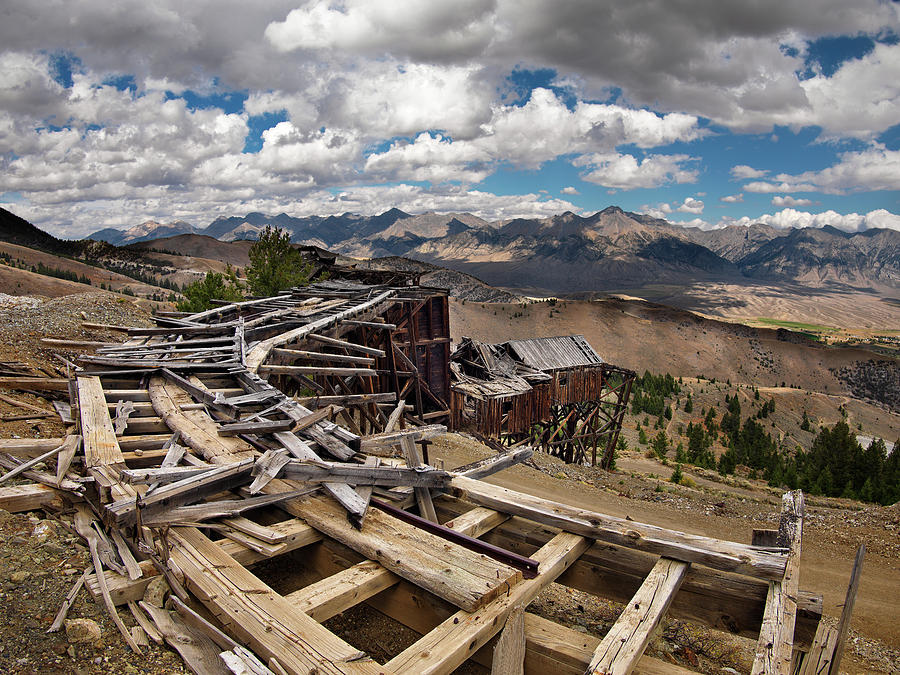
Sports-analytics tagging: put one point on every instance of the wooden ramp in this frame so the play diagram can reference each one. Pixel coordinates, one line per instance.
(198, 469)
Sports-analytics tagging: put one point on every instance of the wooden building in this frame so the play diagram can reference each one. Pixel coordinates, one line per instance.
(400, 352)
(556, 392)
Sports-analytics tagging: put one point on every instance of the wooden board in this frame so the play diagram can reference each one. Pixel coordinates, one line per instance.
(197, 428)
(724, 555)
(257, 614)
(624, 644)
(453, 641)
(776, 636)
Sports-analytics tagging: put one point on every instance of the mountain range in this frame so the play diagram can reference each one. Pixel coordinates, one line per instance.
(611, 249)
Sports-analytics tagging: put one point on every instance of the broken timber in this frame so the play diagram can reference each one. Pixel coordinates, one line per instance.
(170, 504)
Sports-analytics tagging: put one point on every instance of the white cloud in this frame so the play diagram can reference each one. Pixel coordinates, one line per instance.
(691, 205)
(787, 200)
(733, 199)
(569, 190)
(849, 222)
(743, 172)
(875, 168)
(625, 172)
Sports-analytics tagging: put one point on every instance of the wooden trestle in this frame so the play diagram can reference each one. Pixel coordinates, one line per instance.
(182, 491)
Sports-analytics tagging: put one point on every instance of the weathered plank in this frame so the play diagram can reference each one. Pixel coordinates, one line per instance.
(257, 614)
(260, 351)
(714, 553)
(776, 636)
(423, 496)
(624, 644)
(552, 648)
(453, 641)
(100, 444)
(509, 652)
(376, 441)
(847, 611)
(28, 497)
(343, 590)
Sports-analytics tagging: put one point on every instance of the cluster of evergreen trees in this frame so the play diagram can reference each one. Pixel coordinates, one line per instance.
(649, 393)
(836, 465)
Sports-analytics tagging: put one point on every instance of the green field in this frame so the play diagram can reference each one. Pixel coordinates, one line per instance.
(796, 325)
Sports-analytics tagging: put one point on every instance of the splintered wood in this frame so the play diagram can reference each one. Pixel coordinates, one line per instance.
(185, 463)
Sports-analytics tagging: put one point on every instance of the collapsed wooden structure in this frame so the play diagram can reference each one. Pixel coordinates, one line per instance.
(555, 392)
(185, 463)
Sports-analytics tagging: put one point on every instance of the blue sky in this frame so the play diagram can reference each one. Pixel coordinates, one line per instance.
(703, 112)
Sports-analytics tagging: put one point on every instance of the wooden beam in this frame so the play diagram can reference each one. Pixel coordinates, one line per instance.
(374, 441)
(847, 611)
(423, 496)
(323, 356)
(35, 383)
(509, 652)
(334, 342)
(347, 588)
(347, 399)
(776, 636)
(624, 644)
(453, 641)
(317, 370)
(714, 553)
(552, 648)
(260, 351)
(28, 497)
(257, 614)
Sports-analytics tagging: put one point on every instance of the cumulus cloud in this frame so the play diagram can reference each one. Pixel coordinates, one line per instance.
(849, 222)
(570, 191)
(743, 172)
(787, 200)
(626, 172)
(691, 205)
(733, 199)
(875, 168)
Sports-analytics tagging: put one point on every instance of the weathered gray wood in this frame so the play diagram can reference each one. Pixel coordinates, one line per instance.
(847, 611)
(82, 524)
(494, 463)
(776, 636)
(255, 427)
(28, 497)
(347, 399)
(299, 354)
(509, 652)
(68, 602)
(622, 647)
(423, 496)
(185, 491)
(268, 467)
(376, 441)
(724, 555)
(351, 346)
(200, 654)
(344, 494)
(317, 370)
(356, 474)
(24, 466)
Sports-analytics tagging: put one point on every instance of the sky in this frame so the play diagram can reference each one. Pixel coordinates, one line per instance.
(703, 112)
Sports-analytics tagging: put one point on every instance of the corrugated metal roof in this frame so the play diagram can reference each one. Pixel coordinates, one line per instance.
(553, 353)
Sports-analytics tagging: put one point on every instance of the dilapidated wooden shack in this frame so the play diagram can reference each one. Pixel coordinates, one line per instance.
(554, 391)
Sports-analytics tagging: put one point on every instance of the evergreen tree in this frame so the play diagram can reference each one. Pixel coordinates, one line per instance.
(275, 265)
